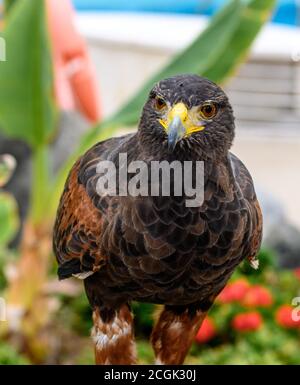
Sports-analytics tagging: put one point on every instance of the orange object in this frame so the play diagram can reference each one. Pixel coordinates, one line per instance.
(74, 75)
(258, 296)
(297, 272)
(207, 331)
(234, 291)
(284, 317)
(246, 322)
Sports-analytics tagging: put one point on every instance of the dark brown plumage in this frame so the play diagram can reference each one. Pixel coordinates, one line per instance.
(155, 249)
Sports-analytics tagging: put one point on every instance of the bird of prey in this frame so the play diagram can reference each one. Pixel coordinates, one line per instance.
(155, 248)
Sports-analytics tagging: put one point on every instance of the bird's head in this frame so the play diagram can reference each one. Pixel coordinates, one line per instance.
(187, 112)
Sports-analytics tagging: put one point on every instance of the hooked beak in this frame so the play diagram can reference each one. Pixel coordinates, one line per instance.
(176, 129)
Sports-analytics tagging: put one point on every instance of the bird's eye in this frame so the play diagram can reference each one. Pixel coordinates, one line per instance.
(208, 110)
(160, 104)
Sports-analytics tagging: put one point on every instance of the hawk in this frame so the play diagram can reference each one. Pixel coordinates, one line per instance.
(155, 248)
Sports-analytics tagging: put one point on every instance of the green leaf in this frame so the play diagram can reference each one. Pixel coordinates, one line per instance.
(8, 4)
(10, 356)
(253, 17)
(26, 98)
(9, 221)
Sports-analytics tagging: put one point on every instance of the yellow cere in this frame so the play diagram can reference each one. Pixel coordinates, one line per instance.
(179, 110)
(189, 118)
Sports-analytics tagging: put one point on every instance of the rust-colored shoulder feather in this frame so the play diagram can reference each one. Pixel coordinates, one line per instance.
(77, 230)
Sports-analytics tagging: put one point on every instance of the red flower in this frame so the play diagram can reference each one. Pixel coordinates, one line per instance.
(297, 272)
(258, 296)
(247, 321)
(207, 331)
(234, 291)
(284, 317)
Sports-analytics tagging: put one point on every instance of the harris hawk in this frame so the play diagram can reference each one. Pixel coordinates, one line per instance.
(155, 248)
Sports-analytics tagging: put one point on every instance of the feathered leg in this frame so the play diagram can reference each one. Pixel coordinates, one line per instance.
(113, 336)
(174, 332)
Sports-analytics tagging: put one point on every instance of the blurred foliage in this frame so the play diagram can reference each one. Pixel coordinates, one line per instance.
(10, 356)
(264, 347)
(8, 4)
(27, 109)
(27, 113)
(9, 221)
(144, 314)
(26, 93)
(77, 313)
